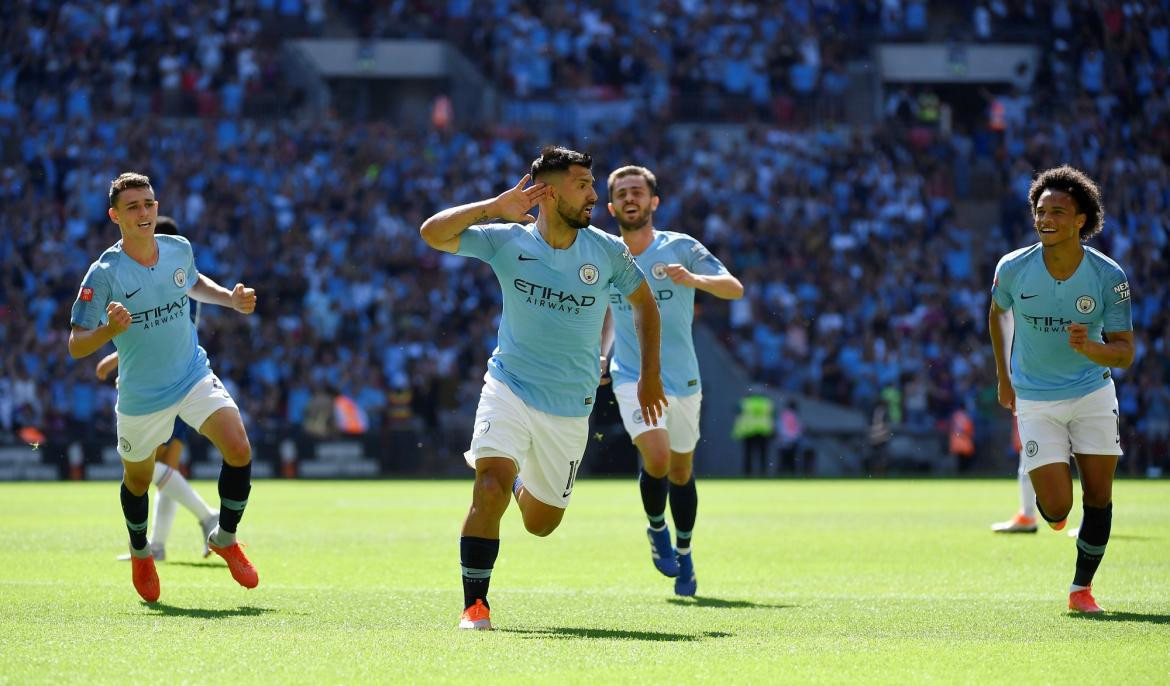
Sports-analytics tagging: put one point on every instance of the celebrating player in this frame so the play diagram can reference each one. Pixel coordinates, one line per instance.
(173, 488)
(1063, 295)
(676, 265)
(137, 294)
(532, 422)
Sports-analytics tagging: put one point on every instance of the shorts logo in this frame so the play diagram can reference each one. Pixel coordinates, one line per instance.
(482, 428)
(180, 278)
(123, 445)
(1031, 449)
(638, 416)
(1085, 304)
(589, 274)
(86, 294)
(658, 271)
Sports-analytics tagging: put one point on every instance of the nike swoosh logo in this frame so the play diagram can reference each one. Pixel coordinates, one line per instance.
(566, 493)
(1025, 297)
(527, 259)
(131, 295)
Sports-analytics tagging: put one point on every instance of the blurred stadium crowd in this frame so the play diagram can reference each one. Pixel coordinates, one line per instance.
(863, 286)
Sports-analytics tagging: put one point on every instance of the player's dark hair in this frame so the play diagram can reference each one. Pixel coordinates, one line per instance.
(1081, 188)
(554, 158)
(166, 225)
(125, 181)
(633, 170)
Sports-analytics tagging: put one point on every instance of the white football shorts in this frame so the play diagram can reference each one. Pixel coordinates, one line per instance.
(1051, 429)
(546, 448)
(680, 418)
(139, 435)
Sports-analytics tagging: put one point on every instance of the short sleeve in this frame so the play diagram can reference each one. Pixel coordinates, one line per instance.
(1118, 316)
(89, 308)
(699, 260)
(192, 270)
(1001, 285)
(627, 275)
(484, 240)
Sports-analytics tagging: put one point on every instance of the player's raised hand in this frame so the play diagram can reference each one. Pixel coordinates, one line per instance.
(1078, 336)
(243, 299)
(680, 275)
(118, 317)
(651, 398)
(514, 203)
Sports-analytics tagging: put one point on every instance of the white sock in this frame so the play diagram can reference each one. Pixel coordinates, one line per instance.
(165, 508)
(1074, 588)
(171, 482)
(1027, 495)
(221, 538)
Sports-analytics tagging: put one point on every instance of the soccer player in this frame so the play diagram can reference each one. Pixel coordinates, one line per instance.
(1062, 296)
(137, 294)
(676, 266)
(173, 489)
(532, 422)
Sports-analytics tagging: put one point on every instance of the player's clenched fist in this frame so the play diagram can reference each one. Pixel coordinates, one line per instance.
(118, 317)
(1078, 335)
(244, 299)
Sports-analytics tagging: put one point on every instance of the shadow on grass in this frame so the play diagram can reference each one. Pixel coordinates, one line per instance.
(614, 634)
(204, 563)
(1130, 537)
(1125, 617)
(707, 601)
(164, 610)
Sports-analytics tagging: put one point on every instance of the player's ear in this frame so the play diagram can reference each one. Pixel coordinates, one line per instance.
(113, 215)
(612, 212)
(653, 203)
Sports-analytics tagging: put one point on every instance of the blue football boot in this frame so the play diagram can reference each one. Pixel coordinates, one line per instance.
(684, 583)
(662, 552)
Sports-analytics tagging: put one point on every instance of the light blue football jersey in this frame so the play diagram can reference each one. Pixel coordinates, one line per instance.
(676, 304)
(1043, 366)
(554, 306)
(159, 357)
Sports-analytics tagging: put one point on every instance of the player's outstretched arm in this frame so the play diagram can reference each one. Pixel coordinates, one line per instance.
(241, 298)
(442, 230)
(85, 342)
(723, 286)
(648, 326)
(1002, 329)
(107, 366)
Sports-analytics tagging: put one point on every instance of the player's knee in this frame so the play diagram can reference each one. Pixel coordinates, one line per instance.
(656, 463)
(680, 474)
(1097, 497)
(1057, 510)
(137, 484)
(491, 493)
(540, 528)
(237, 451)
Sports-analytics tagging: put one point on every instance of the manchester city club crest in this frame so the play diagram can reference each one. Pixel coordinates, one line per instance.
(180, 278)
(1085, 304)
(482, 428)
(1031, 448)
(588, 274)
(638, 416)
(658, 271)
(123, 445)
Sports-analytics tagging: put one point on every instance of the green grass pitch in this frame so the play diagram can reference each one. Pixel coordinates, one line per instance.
(799, 582)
